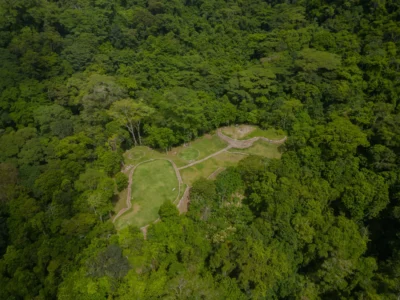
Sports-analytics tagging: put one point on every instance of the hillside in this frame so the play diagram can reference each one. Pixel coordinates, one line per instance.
(199, 149)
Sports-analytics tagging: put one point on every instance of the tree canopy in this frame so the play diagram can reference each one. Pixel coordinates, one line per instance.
(83, 81)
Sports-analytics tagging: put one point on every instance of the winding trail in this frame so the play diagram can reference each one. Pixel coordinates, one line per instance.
(130, 180)
(183, 202)
(205, 158)
(128, 197)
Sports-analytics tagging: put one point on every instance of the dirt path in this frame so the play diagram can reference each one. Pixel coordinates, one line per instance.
(237, 152)
(232, 143)
(128, 196)
(183, 202)
(205, 158)
(130, 180)
(215, 173)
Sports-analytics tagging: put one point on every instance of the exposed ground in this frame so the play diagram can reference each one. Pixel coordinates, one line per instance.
(155, 177)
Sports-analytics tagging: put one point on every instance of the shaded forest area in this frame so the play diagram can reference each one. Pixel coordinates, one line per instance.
(81, 81)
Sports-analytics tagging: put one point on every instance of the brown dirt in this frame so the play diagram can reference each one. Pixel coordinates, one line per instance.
(184, 202)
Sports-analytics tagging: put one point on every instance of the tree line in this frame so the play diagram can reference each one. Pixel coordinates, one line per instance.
(82, 81)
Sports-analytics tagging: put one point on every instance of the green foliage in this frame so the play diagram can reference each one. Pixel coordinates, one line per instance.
(161, 138)
(83, 81)
(121, 181)
(168, 212)
(228, 182)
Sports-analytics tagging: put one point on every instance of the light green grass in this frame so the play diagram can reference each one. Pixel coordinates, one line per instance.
(153, 183)
(206, 168)
(271, 133)
(203, 147)
(261, 148)
(189, 154)
(249, 131)
(208, 145)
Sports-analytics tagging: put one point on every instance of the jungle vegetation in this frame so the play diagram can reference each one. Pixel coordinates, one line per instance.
(82, 81)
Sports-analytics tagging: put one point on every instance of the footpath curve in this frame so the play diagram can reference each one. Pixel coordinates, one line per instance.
(182, 204)
(205, 158)
(130, 180)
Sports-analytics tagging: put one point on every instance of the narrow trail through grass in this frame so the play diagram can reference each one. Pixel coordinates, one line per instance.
(155, 177)
(151, 184)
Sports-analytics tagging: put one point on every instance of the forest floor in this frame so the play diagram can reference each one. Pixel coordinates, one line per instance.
(155, 177)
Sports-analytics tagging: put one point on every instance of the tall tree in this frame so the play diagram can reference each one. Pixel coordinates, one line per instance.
(131, 114)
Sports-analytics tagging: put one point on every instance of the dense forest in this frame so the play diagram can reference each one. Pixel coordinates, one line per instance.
(81, 81)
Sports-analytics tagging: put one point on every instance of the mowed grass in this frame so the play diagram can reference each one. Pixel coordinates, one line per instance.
(261, 148)
(201, 147)
(244, 132)
(206, 168)
(189, 154)
(271, 133)
(228, 158)
(153, 183)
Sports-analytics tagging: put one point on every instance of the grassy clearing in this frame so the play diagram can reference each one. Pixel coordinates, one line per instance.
(209, 166)
(244, 132)
(261, 148)
(208, 145)
(189, 154)
(271, 133)
(153, 183)
(181, 155)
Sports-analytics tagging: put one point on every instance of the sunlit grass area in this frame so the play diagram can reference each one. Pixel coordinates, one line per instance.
(243, 132)
(153, 183)
(261, 148)
(154, 180)
(206, 168)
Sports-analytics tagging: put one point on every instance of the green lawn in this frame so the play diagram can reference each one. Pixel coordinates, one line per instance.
(206, 168)
(207, 145)
(181, 155)
(189, 154)
(261, 148)
(271, 133)
(153, 183)
(244, 132)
